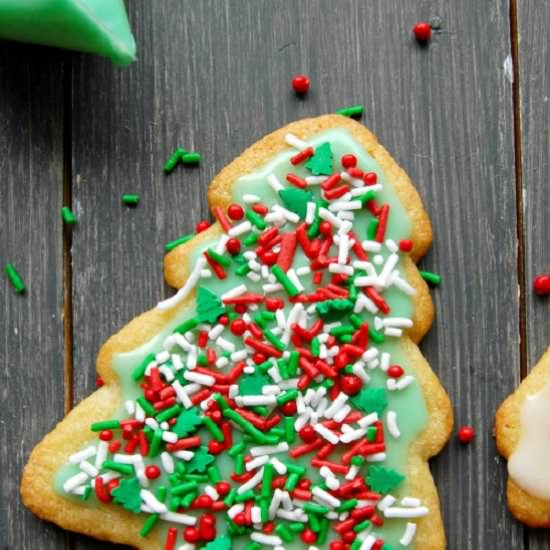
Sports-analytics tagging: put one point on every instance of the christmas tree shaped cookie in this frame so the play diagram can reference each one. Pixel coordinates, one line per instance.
(278, 399)
(522, 430)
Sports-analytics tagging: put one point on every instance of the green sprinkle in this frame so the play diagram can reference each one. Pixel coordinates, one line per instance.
(431, 278)
(355, 320)
(288, 395)
(293, 363)
(15, 279)
(174, 504)
(190, 324)
(282, 277)
(238, 448)
(213, 428)
(292, 481)
(105, 425)
(322, 536)
(222, 260)
(356, 544)
(341, 330)
(68, 217)
(183, 488)
(148, 525)
(371, 433)
(313, 229)
(125, 469)
(283, 531)
(154, 450)
(359, 460)
(315, 347)
(173, 159)
(258, 436)
(347, 504)
(274, 341)
(267, 479)
(160, 493)
(130, 200)
(255, 219)
(247, 495)
(190, 158)
(375, 336)
(220, 400)
(214, 474)
(230, 498)
(296, 527)
(166, 414)
(139, 372)
(254, 545)
(188, 499)
(314, 508)
(295, 468)
(372, 228)
(146, 406)
(353, 111)
(250, 239)
(362, 526)
(290, 432)
(87, 492)
(314, 522)
(242, 270)
(366, 197)
(346, 338)
(239, 464)
(181, 240)
(264, 509)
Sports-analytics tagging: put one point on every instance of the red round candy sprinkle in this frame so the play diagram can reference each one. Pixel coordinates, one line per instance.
(349, 536)
(336, 545)
(203, 501)
(237, 327)
(150, 395)
(349, 161)
(289, 408)
(259, 358)
(466, 434)
(351, 384)
(223, 320)
(233, 246)
(395, 371)
(106, 435)
(114, 446)
(541, 284)
(223, 487)
(202, 226)
(152, 471)
(235, 212)
(405, 245)
(307, 434)
(269, 258)
(191, 535)
(422, 31)
(273, 304)
(325, 228)
(370, 178)
(215, 447)
(240, 519)
(308, 536)
(127, 432)
(300, 84)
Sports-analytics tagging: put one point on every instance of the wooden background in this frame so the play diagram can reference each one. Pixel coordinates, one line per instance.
(214, 76)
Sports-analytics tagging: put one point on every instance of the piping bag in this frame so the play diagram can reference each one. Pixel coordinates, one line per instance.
(92, 26)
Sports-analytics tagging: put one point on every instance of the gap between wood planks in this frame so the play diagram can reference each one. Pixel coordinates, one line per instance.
(67, 253)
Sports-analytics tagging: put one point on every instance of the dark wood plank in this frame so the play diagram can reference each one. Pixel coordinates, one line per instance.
(534, 46)
(31, 325)
(216, 78)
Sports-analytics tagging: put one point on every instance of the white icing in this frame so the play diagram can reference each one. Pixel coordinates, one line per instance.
(529, 464)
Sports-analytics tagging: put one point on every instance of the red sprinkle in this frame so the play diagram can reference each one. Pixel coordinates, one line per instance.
(466, 434)
(222, 220)
(233, 246)
(300, 84)
(349, 161)
(541, 285)
(235, 212)
(301, 156)
(296, 181)
(422, 31)
(152, 472)
(203, 225)
(370, 178)
(405, 245)
(395, 371)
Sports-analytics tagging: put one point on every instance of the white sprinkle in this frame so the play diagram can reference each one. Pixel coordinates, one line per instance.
(184, 455)
(102, 449)
(152, 501)
(236, 230)
(391, 421)
(287, 214)
(368, 420)
(86, 467)
(330, 217)
(404, 381)
(371, 246)
(73, 482)
(256, 400)
(342, 413)
(315, 180)
(389, 266)
(216, 331)
(249, 198)
(240, 355)
(327, 434)
(353, 435)
(162, 356)
(368, 543)
(140, 413)
(235, 509)
(342, 269)
(182, 342)
(252, 482)
(226, 345)
(396, 512)
(167, 462)
(279, 466)
(256, 463)
(364, 190)
(206, 273)
(326, 497)
(346, 215)
(363, 302)
(269, 540)
(401, 284)
(199, 378)
(352, 472)
(183, 519)
(296, 142)
(77, 458)
(272, 287)
(359, 370)
(310, 212)
(410, 502)
(275, 184)
(142, 478)
(377, 457)
(167, 373)
(385, 361)
(182, 394)
(269, 449)
(291, 274)
(394, 332)
(336, 405)
(275, 218)
(408, 534)
(234, 292)
(386, 502)
(189, 285)
(401, 322)
(169, 437)
(340, 205)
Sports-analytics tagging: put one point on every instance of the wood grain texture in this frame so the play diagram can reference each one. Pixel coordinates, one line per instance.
(216, 78)
(534, 46)
(31, 325)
